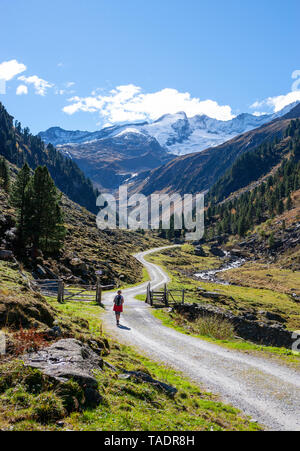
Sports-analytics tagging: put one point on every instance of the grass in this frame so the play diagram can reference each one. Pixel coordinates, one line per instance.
(140, 407)
(235, 298)
(127, 405)
(265, 276)
(186, 327)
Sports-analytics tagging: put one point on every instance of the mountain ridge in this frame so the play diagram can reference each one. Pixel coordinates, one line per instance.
(197, 172)
(176, 133)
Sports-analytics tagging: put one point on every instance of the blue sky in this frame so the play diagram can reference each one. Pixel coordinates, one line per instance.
(83, 64)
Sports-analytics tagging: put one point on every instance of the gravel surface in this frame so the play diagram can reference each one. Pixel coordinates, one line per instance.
(269, 392)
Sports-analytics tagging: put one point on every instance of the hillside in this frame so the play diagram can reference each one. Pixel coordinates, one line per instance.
(86, 247)
(200, 171)
(18, 145)
(110, 161)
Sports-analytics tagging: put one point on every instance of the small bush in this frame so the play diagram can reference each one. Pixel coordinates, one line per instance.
(11, 375)
(214, 327)
(34, 380)
(72, 396)
(29, 340)
(18, 397)
(48, 408)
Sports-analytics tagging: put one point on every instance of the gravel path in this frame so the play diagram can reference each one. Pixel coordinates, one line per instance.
(267, 391)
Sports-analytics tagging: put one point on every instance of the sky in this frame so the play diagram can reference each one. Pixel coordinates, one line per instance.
(86, 64)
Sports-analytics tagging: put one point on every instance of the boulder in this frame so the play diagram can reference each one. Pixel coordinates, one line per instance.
(6, 255)
(218, 252)
(275, 317)
(144, 377)
(199, 251)
(69, 359)
(41, 271)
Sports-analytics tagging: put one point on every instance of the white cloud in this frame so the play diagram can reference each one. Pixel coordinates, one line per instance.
(279, 102)
(22, 90)
(128, 103)
(9, 69)
(39, 84)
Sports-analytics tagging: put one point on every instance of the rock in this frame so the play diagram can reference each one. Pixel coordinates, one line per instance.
(250, 316)
(124, 376)
(92, 397)
(199, 252)
(110, 366)
(147, 378)
(41, 271)
(56, 331)
(295, 297)
(212, 295)
(275, 317)
(218, 252)
(69, 359)
(6, 255)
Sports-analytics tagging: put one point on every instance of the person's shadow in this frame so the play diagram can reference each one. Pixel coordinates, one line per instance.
(123, 327)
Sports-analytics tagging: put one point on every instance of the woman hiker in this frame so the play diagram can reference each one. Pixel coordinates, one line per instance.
(118, 306)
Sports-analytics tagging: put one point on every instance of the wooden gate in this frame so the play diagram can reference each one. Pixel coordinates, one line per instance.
(164, 297)
(78, 293)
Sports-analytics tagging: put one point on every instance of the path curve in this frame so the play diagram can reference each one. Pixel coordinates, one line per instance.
(267, 391)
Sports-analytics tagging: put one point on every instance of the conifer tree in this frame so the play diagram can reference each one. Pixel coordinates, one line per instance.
(43, 217)
(4, 175)
(19, 199)
(289, 203)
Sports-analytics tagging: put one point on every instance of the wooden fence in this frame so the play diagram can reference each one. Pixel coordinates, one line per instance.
(64, 292)
(164, 297)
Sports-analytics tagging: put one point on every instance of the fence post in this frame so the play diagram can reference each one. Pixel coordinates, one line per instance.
(166, 295)
(60, 291)
(148, 294)
(99, 293)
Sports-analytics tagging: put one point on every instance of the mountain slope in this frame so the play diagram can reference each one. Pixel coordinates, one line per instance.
(86, 248)
(18, 145)
(198, 172)
(110, 161)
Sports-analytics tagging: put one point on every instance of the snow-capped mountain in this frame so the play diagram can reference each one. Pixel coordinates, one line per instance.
(110, 158)
(176, 133)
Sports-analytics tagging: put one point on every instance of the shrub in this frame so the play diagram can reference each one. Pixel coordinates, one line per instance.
(72, 396)
(34, 380)
(48, 408)
(18, 397)
(29, 340)
(214, 327)
(11, 374)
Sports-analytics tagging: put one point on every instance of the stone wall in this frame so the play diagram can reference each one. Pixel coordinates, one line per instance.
(269, 334)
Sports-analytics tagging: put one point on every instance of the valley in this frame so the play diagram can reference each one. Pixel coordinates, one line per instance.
(241, 283)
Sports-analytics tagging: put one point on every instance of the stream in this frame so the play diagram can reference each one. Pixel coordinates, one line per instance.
(211, 275)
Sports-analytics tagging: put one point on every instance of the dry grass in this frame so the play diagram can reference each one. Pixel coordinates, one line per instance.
(208, 326)
(264, 276)
(29, 340)
(213, 327)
